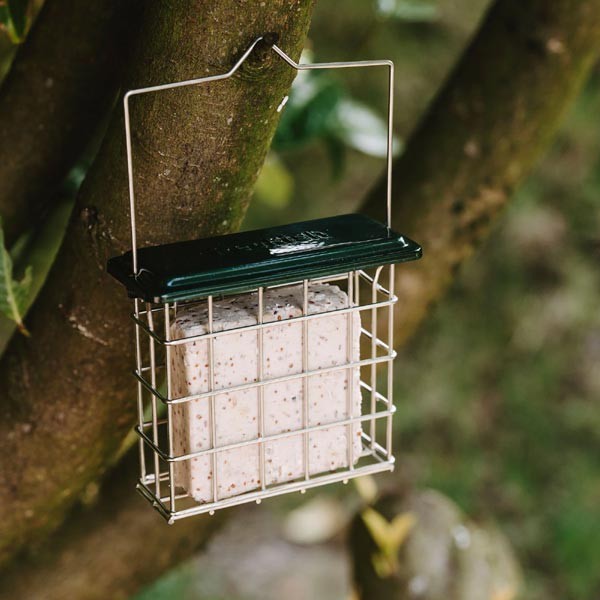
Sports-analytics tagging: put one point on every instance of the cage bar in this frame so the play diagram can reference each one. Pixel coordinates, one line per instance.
(261, 391)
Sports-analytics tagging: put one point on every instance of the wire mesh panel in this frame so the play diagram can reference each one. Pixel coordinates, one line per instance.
(253, 395)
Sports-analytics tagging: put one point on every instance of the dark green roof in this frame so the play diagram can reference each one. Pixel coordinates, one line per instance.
(243, 261)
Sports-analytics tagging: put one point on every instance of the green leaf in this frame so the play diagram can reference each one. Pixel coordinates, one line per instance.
(14, 17)
(319, 109)
(38, 248)
(13, 294)
(389, 537)
(361, 128)
(412, 11)
(309, 113)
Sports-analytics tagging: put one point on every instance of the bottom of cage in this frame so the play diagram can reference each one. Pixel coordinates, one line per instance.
(373, 459)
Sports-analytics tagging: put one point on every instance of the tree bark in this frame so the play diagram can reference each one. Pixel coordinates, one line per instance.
(62, 81)
(67, 391)
(126, 546)
(482, 135)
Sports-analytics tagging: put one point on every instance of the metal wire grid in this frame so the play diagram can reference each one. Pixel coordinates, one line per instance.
(157, 480)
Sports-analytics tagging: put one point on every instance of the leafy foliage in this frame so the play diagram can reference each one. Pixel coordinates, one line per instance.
(15, 17)
(319, 108)
(389, 537)
(13, 294)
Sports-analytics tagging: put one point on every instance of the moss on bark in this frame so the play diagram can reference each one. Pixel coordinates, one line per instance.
(67, 392)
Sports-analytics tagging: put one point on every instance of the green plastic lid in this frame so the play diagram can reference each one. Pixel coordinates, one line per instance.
(243, 261)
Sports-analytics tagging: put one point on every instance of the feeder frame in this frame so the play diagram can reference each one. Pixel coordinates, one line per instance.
(348, 247)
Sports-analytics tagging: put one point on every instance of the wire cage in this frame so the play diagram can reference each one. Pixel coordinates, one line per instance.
(263, 358)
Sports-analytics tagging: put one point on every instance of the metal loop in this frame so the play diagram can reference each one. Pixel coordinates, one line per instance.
(232, 71)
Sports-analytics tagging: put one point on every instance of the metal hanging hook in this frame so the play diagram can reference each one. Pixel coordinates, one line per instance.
(270, 39)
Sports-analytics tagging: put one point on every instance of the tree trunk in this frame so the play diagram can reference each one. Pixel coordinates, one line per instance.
(61, 83)
(483, 133)
(67, 391)
(108, 548)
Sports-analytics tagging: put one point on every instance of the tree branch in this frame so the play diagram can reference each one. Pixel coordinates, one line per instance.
(62, 81)
(482, 135)
(109, 548)
(67, 390)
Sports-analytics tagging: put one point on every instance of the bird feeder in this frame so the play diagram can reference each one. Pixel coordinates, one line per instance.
(263, 358)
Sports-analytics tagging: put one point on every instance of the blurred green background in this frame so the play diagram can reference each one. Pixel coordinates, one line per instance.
(498, 397)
